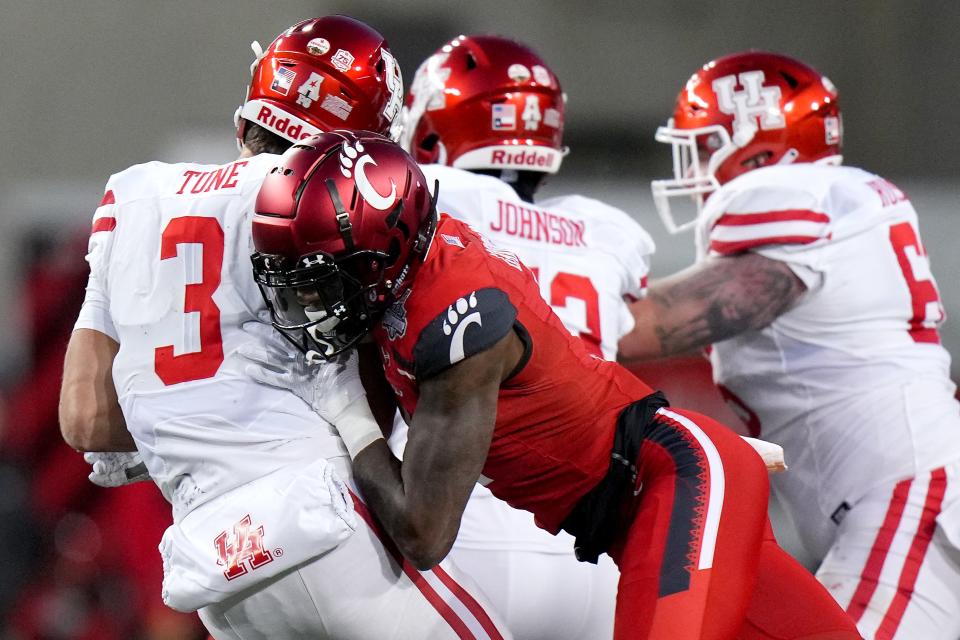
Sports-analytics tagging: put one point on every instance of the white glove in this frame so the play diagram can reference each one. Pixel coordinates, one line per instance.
(772, 454)
(332, 389)
(116, 468)
(282, 368)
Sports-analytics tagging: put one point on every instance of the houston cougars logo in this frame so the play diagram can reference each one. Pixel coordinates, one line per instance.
(354, 165)
(245, 547)
(754, 103)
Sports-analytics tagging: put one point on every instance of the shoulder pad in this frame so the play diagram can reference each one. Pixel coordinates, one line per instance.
(471, 324)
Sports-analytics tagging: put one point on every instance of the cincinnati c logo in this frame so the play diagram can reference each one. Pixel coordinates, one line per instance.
(352, 166)
(457, 321)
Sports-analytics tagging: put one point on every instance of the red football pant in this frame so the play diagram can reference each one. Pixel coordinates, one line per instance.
(699, 547)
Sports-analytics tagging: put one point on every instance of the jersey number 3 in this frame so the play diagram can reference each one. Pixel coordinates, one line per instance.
(197, 298)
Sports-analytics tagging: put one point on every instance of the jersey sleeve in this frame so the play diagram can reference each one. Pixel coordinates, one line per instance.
(95, 312)
(637, 262)
(780, 223)
(469, 325)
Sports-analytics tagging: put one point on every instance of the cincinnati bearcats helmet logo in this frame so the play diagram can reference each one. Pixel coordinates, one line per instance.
(354, 165)
(754, 104)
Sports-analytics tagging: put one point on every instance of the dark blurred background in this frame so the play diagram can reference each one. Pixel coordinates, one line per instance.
(88, 88)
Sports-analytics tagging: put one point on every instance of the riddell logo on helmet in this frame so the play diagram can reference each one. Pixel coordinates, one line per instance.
(525, 158)
(268, 118)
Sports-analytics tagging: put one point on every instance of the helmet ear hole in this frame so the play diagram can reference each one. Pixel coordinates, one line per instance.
(429, 142)
(393, 252)
(792, 81)
(471, 62)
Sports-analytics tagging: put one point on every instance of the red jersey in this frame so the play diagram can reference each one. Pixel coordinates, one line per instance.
(555, 416)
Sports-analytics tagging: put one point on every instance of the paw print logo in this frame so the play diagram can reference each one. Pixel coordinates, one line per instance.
(353, 164)
(459, 317)
(348, 154)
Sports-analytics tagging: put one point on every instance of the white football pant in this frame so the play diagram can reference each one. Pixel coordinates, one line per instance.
(360, 590)
(895, 564)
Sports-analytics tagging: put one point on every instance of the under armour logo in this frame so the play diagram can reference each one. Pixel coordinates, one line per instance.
(754, 103)
(311, 261)
(353, 166)
(246, 547)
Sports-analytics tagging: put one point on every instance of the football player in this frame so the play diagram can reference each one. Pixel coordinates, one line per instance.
(814, 289)
(351, 253)
(269, 539)
(484, 116)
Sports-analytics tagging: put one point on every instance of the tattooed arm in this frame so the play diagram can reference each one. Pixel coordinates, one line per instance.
(709, 302)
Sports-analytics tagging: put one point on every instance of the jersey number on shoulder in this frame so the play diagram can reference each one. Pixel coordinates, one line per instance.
(924, 298)
(197, 298)
(567, 285)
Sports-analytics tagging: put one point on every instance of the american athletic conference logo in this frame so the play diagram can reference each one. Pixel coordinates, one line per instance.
(755, 103)
(395, 317)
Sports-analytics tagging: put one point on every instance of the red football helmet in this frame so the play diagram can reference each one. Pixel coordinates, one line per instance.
(341, 228)
(741, 112)
(485, 102)
(323, 74)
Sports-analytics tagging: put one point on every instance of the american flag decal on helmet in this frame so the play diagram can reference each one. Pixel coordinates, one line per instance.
(282, 80)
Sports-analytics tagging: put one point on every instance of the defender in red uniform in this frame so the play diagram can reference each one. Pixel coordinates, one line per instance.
(499, 392)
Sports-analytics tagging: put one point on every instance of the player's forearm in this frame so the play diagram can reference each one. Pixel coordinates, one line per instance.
(710, 302)
(90, 416)
(664, 328)
(88, 423)
(409, 519)
(643, 342)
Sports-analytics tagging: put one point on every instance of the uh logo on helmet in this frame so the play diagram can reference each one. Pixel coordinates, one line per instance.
(323, 74)
(742, 112)
(341, 228)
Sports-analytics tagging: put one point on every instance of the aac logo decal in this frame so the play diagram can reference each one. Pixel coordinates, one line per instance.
(354, 165)
(395, 318)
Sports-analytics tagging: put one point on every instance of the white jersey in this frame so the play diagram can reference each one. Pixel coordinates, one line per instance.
(171, 281)
(851, 380)
(589, 257)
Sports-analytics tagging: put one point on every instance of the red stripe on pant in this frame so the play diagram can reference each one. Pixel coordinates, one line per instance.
(918, 549)
(870, 576)
(436, 601)
(472, 605)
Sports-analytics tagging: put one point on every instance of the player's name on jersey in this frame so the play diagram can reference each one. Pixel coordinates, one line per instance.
(537, 225)
(225, 177)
